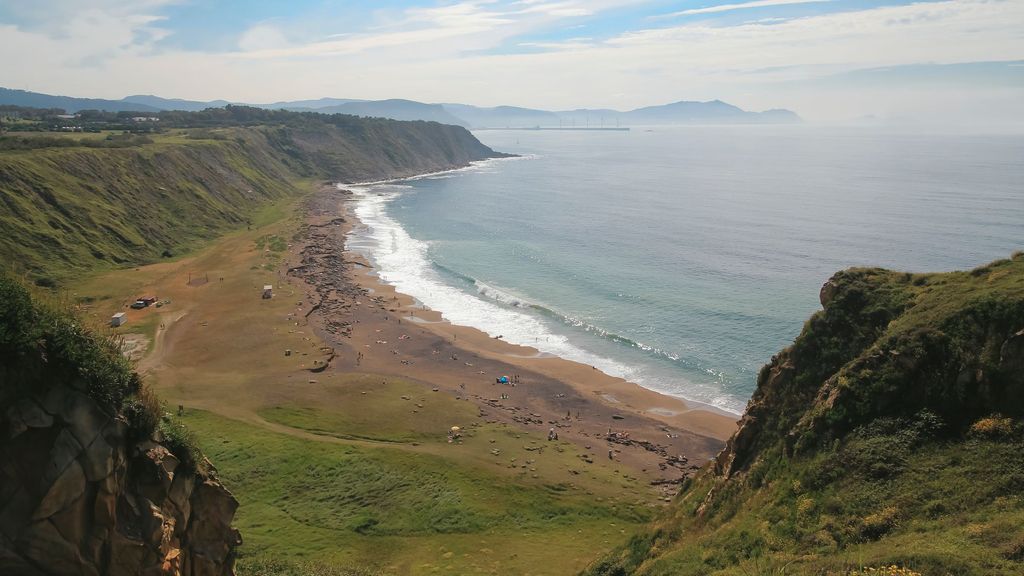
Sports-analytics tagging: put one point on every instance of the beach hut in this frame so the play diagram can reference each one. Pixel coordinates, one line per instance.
(118, 319)
(268, 291)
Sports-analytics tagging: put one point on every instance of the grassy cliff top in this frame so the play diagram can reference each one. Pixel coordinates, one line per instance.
(889, 433)
(72, 203)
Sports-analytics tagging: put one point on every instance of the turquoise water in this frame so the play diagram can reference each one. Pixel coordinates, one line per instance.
(682, 259)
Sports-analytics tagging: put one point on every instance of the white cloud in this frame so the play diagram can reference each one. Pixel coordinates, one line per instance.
(448, 54)
(262, 37)
(741, 6)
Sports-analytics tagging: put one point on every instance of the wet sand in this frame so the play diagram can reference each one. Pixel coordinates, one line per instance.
(375, 329)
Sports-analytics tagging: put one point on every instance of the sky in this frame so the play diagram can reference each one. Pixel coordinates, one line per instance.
(957, 61)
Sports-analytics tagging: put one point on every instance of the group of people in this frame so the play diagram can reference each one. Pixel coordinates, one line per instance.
(513, 380)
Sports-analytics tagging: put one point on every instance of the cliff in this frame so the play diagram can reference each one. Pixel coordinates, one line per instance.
(73, 203)
(93, 478)
(889, 433)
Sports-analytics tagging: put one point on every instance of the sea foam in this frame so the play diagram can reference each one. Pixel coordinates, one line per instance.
(405, 263)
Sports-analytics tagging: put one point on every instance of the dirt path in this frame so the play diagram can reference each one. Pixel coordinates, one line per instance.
(221, 347)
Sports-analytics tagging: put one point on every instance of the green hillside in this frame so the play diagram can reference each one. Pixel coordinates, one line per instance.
(889, 434)
(76, 202)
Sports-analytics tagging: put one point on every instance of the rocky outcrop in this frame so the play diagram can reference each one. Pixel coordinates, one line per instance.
(889, 345)
(78, 497)
(897, 412)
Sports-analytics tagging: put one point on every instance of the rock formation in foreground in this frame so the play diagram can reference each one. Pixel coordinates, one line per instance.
(93, 480)
(887, 440)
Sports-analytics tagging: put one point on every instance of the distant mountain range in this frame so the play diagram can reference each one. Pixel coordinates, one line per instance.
(676, 113)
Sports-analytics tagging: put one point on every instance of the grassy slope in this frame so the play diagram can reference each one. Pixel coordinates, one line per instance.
(447, 508)
(858, 447)
(69, 210)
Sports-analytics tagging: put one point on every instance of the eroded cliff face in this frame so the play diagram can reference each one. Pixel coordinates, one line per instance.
(857, 307)
(893, 423)
(889, 345)
(78, 497)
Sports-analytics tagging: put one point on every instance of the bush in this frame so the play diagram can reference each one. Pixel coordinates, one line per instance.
(885, 571)
(992, 427)
(143, 413)
(1016, 550)
(880, 449)
(180, 441)
(876, 525)
(43, 344)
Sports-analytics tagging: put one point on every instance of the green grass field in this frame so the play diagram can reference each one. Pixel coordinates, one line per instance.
(405, 511)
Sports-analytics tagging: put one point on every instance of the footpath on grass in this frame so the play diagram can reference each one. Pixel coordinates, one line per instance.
(329, 413)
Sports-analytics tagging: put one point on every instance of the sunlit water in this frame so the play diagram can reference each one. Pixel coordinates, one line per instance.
(682, 259)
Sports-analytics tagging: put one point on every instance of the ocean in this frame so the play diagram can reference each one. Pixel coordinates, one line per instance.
(682, 259)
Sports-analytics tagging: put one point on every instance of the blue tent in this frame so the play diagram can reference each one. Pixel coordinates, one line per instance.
(503, 379)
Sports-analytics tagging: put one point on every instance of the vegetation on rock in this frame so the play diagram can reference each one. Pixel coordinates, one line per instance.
(42, 345)
(94, 479)
(886, 440)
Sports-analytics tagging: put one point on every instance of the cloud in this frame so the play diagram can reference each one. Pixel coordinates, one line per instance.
(567, 44)
(445, 30)
(742, 6)
(262, 37)
(473, 52)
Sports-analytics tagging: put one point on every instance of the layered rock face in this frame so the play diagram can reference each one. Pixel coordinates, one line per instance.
(77, 497)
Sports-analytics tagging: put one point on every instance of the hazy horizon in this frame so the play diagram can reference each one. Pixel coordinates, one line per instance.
(958, 62)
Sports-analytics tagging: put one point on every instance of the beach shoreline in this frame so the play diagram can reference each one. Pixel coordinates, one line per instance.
(377, 330)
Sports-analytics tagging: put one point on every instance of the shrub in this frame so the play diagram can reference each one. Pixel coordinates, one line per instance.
(876, 525)
(804, 505)
(878, 457)
(43, 344)
(892, 570)
(180, 441)
(143, 413)
(1016, 550)
(880, 449)
(994, 426)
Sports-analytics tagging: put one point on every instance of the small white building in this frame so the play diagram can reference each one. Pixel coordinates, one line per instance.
(268, 292)
(118, 319)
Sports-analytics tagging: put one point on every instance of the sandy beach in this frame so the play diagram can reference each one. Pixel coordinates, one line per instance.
(375, 329)
(339, 368)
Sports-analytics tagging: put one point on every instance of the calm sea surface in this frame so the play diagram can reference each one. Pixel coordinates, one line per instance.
(683, 258)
